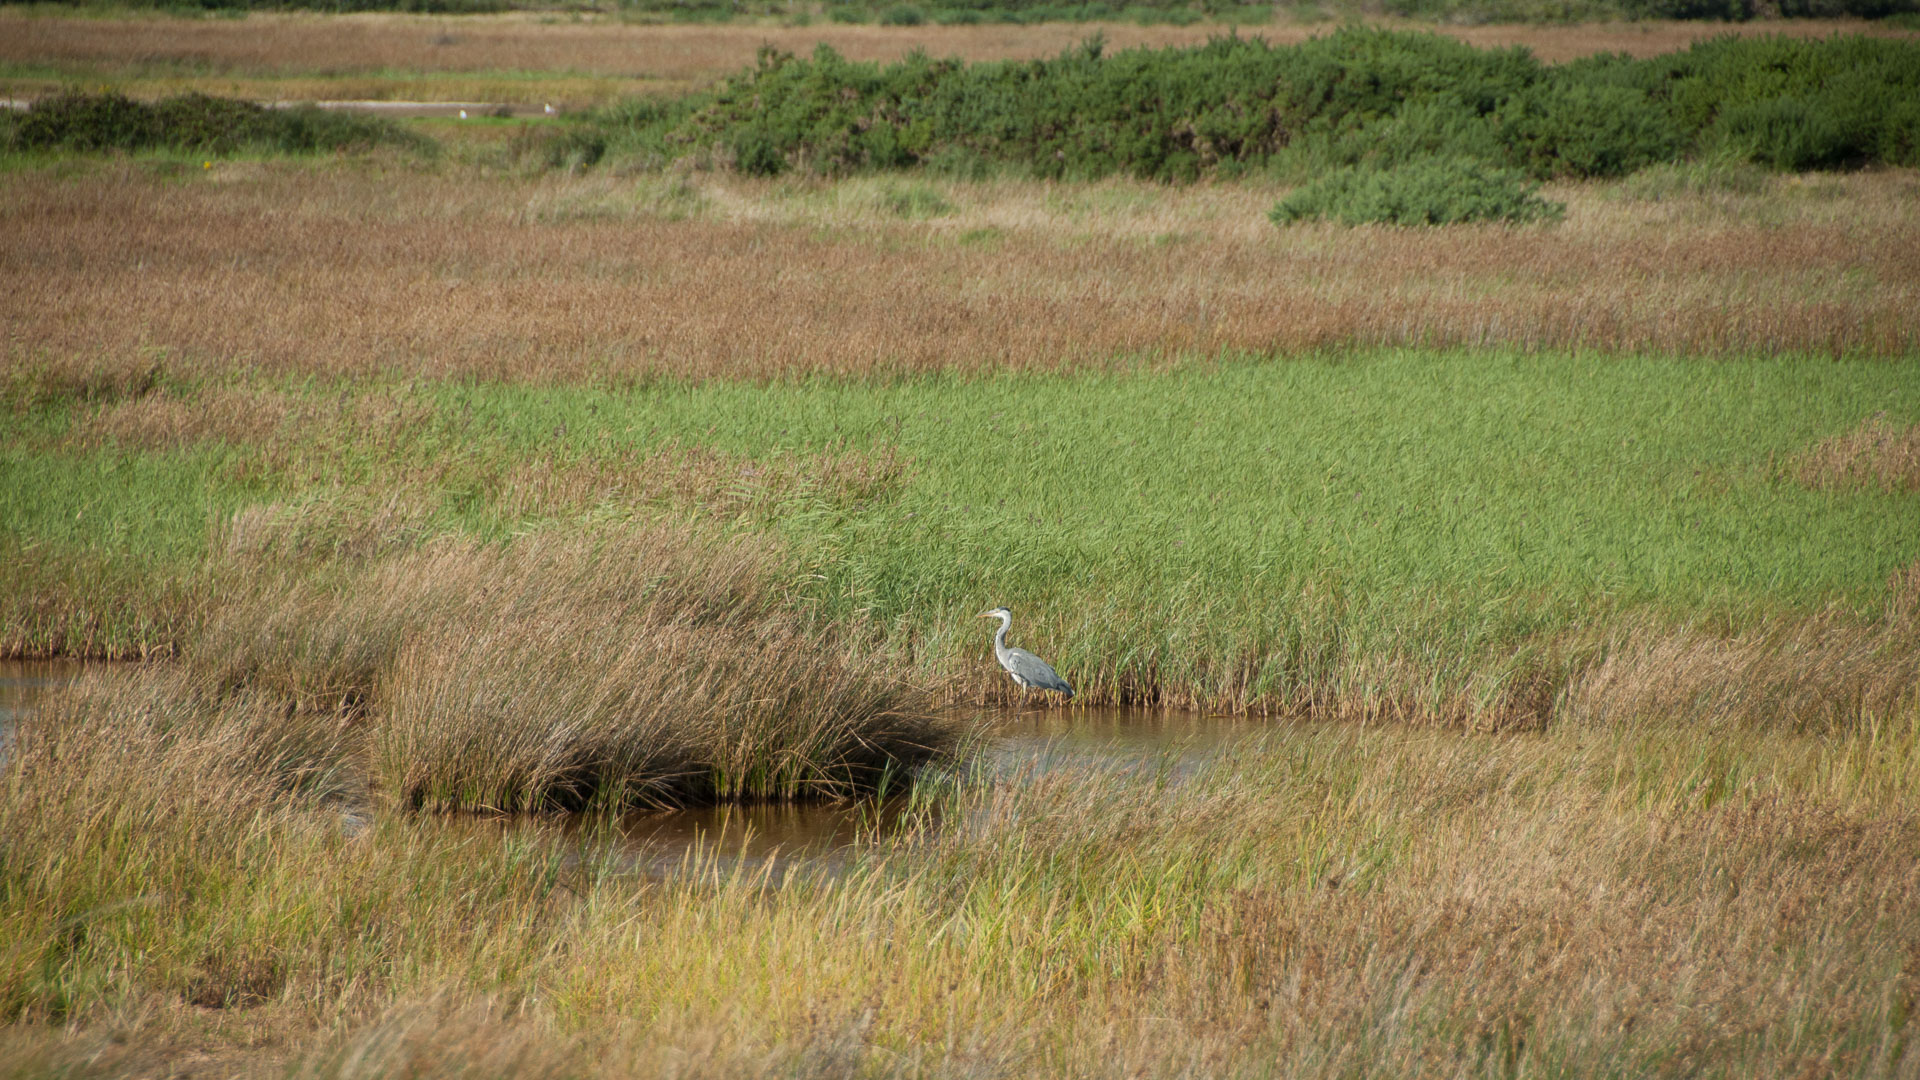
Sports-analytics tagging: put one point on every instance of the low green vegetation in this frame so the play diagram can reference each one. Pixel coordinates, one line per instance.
(194, 122)
(1377, 109)
(1426, 191)
(1356, 97)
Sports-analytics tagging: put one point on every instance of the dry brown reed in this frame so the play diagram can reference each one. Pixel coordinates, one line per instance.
(654, 666)
(1879, 453)
(167, 421)
(160, 727)
(280, 45)
(298, 271)
(1823, 672)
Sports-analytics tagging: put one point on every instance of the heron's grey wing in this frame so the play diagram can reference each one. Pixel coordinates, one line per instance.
(1038, 673)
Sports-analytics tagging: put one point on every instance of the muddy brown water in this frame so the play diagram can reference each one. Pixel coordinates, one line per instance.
(22, 681)
(779, 837)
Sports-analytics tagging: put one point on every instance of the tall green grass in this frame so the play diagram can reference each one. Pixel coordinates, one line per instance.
(1445, 528)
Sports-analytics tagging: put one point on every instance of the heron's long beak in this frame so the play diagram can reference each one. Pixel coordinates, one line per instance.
(984, 615)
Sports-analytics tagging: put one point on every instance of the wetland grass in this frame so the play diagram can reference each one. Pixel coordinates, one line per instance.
(484, 491)
(336, 272)
(1416, 535)
(1326, 898)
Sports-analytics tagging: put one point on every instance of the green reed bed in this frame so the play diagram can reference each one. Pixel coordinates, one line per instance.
(1406, 533)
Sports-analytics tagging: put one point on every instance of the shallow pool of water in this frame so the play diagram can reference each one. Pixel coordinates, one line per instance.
(23, 681)
(778, 836)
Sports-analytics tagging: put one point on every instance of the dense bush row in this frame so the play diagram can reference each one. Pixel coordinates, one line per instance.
(1358, 97)
(193, 122)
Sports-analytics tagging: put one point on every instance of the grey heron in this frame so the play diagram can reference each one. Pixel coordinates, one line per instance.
(1028, 670)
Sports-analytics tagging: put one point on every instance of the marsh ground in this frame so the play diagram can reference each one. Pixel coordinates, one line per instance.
(1568, 577)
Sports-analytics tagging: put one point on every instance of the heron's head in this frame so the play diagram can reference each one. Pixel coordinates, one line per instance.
(995, 613)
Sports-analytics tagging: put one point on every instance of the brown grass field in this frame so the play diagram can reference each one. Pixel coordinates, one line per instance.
(361, 270)
(589, 60)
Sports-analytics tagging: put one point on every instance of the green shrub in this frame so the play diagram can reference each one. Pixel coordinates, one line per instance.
(1788, 133)
(1355, 97)
(757, 152)
(1442, 124)
(96, 122)
(1900, 134)
(1433, 191)
(1586, 129)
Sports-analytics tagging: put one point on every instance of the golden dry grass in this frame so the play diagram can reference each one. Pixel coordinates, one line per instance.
(1324, 900)
(277, 46)
(1823, 672)
(337, 271)
(1878, 453)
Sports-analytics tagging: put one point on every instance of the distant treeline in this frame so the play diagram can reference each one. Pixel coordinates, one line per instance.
(915, 12)
(1357, 97)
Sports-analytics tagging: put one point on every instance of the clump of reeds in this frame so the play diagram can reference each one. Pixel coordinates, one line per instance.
(1877, 454)
(654, 666)
(552, 710)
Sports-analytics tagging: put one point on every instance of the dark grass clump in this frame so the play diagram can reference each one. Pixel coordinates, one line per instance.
(1433, 191)
(198, 123)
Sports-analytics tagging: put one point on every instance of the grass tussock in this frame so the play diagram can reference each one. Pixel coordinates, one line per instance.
(1877, 454)
(650, 668)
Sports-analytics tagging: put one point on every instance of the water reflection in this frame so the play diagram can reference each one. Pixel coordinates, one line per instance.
(777, 836)
(24, 682)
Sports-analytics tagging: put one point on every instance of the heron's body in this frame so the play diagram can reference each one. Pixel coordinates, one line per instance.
(1029, 671)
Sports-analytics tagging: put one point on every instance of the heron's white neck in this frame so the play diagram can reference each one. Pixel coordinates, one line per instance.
(1000, 635)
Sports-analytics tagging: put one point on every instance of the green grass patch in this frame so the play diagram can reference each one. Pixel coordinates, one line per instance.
(1153, 526)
